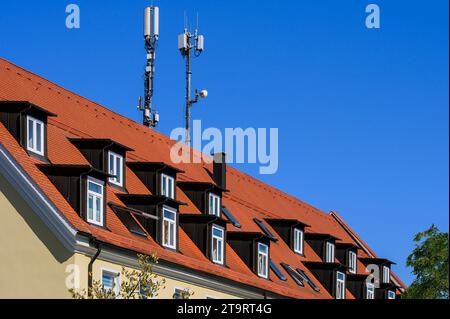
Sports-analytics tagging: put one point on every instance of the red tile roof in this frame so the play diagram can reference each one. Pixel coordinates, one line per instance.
(78, 117)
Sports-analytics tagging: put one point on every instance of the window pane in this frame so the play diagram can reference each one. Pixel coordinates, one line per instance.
(111, 165)
(30, 134)
(166, 232)
(90, 208)
(118, 170)
(217, 232)
(169, 215)
(107, 281)
(170, 186)
(263, 248)
(39, 137)
(211, 209)
(93, 187)
(164, 186)
(172, 234)
(98, 206)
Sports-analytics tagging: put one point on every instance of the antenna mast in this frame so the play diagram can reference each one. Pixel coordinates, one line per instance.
(186, 43)
(151, 36)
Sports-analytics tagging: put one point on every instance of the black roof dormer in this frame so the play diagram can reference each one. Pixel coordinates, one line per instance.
(97, 151)
(245, 244)
(150, 174)
(154, 207)
(318, 242)
(71, 182)
(198, 193)
(14, 115)
(199, 229)
(326, 273)
(356, 283)
(343, 250)
(285, 228)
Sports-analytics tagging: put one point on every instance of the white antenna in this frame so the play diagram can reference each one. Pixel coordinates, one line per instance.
(151, 36)
(186, 42)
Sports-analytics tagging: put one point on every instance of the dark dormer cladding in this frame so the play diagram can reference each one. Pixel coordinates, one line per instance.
(247, 245)
(208, 232)
(165, 216)
(27, 123)
(327, 275)
(159, 178)
(83, 187)
(105, 155)
(207, 197)
(357, 284)
(319, 242)
(287, 230)
(346, 254)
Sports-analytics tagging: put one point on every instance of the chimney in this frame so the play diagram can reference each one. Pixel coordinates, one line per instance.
(220, 170)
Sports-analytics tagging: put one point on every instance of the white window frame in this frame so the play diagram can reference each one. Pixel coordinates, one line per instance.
(370, 291)
(34, 147)
(389, 294)
(95, 195)
(114, 170)
(340, 286)
(329, 252)
(214, 209)
(117, 282)
(352, 262)
(386, 274)
(166, 191)
(298, 241)
(221, 242)
(263, 272)
(174, 222)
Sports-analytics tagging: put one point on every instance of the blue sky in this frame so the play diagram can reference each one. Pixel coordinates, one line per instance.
(362, 114)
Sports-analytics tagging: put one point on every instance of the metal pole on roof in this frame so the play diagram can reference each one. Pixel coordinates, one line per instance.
(186, 42)
(151, 36)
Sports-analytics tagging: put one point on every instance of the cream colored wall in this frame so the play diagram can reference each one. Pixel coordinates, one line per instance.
(170, 284)
(33, 262)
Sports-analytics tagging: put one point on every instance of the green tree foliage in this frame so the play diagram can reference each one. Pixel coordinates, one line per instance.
(429, 261)
(141, 283)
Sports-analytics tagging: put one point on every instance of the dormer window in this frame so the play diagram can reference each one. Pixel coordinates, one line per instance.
(370, 291)
(352, 262)
(391, 294)
(115, 168)
(263, 260)
(167, 186)
(214, 204)
(329, 252)
(35, 135)
(169, 228)
(340, 285)
(386, 274)
(95, 201)
(217, 245)
(27, 123)
(298, 241)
